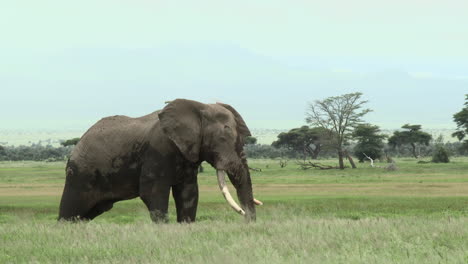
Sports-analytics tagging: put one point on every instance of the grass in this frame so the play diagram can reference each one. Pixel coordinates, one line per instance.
(417, 214)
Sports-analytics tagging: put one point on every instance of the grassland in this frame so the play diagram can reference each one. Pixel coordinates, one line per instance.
(417, 214)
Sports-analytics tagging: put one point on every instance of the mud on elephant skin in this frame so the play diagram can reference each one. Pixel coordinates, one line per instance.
(121, 158)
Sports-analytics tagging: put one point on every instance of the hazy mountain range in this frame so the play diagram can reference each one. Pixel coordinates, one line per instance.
(73, 89)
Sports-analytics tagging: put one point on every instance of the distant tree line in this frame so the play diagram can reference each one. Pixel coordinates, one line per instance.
(36, 152)
(336, 130)
(270, 152)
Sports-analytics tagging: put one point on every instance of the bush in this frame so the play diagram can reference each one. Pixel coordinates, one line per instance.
(440, 155)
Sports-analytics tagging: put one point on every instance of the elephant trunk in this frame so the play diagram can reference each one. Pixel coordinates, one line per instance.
(239, 176)
(245, 196)
(227, 195)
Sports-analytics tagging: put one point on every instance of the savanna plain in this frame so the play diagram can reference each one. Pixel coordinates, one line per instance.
(416, 214)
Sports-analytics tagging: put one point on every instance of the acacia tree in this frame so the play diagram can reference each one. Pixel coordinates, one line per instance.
(369, 142)
(250, 140)
(308, 141)
(461, 119)
(339, 115)
(412, 135)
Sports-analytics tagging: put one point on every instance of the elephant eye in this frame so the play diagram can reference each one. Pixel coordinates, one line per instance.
(227, 127)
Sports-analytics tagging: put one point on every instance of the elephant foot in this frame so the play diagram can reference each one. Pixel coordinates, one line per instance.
(159, 217)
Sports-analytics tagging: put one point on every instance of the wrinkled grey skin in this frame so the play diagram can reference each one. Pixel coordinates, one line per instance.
(121, 158)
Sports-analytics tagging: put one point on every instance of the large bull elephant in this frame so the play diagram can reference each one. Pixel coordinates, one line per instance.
(121, 158)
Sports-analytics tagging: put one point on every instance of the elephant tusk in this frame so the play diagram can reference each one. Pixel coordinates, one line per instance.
(226, 194)
(257, 202)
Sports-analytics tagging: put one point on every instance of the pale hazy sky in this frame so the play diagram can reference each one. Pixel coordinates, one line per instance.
(64, 64)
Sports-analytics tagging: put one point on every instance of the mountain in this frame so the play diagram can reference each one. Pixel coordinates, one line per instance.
(71, 89)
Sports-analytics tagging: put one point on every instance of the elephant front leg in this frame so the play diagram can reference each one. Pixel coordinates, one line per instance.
(186, 199)
(157, 202)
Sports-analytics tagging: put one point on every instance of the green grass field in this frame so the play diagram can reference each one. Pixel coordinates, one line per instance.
(417, 214)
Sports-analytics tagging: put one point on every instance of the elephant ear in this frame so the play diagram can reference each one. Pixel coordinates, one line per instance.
(241, 126)
(181, 121)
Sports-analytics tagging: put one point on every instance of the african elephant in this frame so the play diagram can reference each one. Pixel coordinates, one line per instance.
(121, 158)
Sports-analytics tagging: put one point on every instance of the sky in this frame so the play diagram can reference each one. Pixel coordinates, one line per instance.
(66, 64)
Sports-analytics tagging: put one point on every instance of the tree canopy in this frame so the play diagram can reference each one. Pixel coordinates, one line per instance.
(412, 135)
(70, 142)
(461, 119)
(308, 141)
(250, 140)
(369, 142)
(338, 114)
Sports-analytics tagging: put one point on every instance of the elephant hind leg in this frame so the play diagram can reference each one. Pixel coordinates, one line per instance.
(80, 205)
(82, 211)
(98, 209)
(73, 205)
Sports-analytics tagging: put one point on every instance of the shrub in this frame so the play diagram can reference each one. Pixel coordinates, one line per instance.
(391, 167)
(440, 155)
